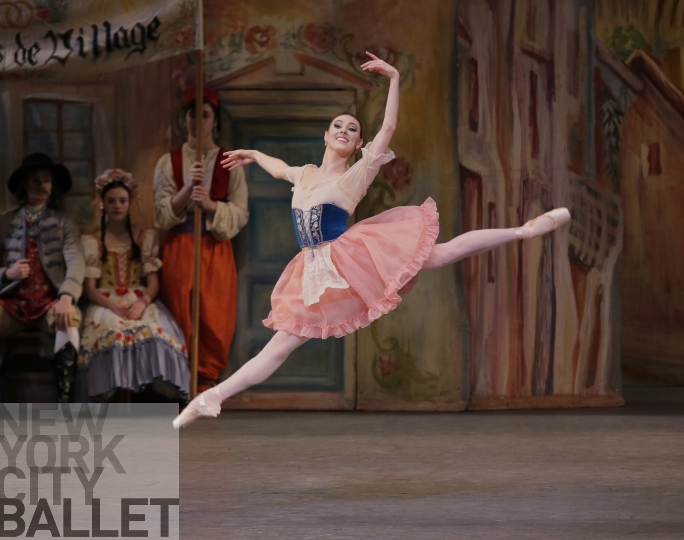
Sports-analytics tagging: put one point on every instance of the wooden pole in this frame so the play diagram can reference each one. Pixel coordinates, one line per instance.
(197, 232)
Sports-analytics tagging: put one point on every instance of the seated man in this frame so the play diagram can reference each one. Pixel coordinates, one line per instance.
(42, 264)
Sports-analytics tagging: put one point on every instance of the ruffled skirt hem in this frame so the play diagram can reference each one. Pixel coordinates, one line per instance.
(390, 298)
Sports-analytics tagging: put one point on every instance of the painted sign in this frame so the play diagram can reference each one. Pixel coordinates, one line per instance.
(46, 38)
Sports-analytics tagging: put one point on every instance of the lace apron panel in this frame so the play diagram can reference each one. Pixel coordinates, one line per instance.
(319, 274)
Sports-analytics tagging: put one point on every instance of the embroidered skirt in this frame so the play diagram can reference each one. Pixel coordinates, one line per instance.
(131, 354)
(377, 257)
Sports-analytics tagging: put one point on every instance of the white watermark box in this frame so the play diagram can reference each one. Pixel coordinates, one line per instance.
(88, 471)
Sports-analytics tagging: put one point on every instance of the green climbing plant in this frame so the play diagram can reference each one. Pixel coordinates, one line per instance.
(627, 40)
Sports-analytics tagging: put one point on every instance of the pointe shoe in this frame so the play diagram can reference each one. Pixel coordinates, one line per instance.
(198, 408)
(538, 226)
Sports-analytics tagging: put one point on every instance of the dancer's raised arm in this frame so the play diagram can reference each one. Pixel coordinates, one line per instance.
(238, 158)
(389, 124)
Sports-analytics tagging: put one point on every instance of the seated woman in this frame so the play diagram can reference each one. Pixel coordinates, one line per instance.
(129, 341)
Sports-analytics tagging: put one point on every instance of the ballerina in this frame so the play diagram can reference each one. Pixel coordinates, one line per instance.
(344, 279)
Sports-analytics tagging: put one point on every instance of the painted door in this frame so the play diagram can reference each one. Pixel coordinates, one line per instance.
(263, 250)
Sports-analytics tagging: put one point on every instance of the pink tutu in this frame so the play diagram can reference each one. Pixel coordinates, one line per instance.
(377, 257)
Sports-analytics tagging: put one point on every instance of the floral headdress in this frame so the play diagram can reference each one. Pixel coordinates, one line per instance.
(112, 175)
(106, 178)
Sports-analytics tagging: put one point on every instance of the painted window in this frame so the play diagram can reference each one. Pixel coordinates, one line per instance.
(654, 166)
(534, 121)
(531, 22)
(672, 65)
(474, 94)
(491, 223)
(573, 74)
(64, 131)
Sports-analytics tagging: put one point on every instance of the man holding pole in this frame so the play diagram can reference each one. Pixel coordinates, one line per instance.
(182, 183)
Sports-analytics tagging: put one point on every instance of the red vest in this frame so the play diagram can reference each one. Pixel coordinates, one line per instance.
(219, 180)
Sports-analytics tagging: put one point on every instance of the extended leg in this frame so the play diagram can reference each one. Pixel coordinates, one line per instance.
(476, 242)
(467, 245)
(257, 370)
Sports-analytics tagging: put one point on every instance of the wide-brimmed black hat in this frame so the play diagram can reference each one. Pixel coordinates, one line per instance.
(60, 174)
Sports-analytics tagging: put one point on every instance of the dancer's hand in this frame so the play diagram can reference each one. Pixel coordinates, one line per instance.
(200, 196)
(19, 270)
(136, 310)
(197, 173)
(380, 66)
(237, 158)
(62, 312)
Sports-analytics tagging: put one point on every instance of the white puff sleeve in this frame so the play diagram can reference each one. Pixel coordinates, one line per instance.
(354, 183)
(164, 190)
(149, 249)
(91, 250)
(293, 174)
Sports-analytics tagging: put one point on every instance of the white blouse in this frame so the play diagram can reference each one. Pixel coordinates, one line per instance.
(344, 191)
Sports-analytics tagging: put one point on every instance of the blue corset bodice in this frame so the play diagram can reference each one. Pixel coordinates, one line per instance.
(318, 224)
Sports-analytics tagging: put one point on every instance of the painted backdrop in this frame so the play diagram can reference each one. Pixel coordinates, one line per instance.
(508, 109)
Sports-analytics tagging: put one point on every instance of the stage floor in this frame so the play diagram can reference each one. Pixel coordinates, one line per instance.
(595, 474)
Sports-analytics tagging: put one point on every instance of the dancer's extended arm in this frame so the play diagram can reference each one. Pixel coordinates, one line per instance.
(389, 124)
(273, 166)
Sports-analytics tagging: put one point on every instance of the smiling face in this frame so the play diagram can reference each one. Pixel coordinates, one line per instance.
(344, 134)
(116, 203)
(39, 187)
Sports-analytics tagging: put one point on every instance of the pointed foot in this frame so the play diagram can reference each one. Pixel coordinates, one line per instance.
(546, 223)
(200, 407)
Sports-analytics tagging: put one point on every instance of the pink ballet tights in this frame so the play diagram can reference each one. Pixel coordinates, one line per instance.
(475, 242)
(467, 245)
(276, 351)
(256, 370)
